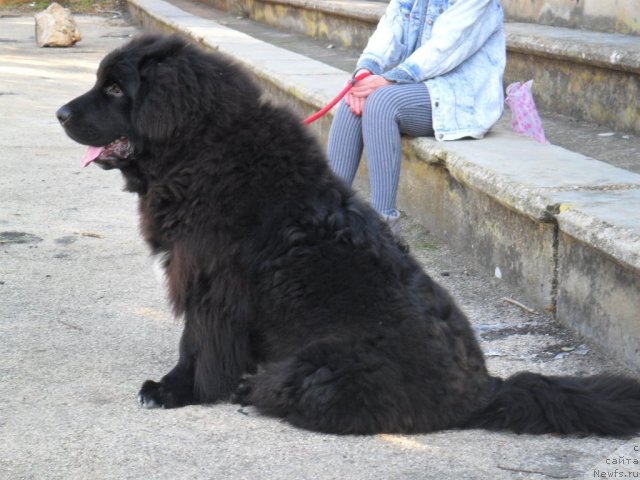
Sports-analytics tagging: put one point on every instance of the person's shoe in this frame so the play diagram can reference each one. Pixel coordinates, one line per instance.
(393, 220)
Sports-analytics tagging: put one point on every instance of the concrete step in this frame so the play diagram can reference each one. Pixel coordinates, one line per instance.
(599, 15)
(562, 227)
(586, 75)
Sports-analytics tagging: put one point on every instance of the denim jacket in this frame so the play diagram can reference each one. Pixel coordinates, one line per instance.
(457, 47)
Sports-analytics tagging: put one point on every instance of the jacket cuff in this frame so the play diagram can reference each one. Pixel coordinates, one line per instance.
(370, 65)
(398, 75)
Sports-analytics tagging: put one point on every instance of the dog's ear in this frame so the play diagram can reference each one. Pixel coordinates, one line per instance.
(181, 86)
(168, 94)
(159, 112)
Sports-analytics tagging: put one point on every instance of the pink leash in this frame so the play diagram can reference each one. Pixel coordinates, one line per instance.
(331, 104)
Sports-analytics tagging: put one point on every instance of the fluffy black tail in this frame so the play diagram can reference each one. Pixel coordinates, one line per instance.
(530, 403)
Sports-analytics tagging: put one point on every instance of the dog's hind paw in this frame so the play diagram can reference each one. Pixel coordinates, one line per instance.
(242, 393)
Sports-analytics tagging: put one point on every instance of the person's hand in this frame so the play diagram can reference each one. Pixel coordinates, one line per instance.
(368, 85)
(362, 89)
(356, 104)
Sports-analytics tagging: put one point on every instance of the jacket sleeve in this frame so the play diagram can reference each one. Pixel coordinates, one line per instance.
(384, 45)
(457, 34)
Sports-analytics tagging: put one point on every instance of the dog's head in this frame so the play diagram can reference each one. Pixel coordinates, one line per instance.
(155, 89)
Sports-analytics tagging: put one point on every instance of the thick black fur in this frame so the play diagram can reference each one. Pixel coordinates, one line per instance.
(295, 295)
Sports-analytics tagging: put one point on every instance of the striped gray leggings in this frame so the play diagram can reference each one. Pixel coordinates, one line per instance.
(388, 112)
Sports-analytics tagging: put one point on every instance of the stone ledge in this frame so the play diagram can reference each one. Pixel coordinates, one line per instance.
(607, 50)
(515, 204)
(364, 11)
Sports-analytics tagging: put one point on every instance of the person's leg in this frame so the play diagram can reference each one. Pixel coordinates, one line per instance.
(344, 147)
(389, 112)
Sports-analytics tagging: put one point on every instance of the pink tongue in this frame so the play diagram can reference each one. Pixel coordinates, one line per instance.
(91, 155)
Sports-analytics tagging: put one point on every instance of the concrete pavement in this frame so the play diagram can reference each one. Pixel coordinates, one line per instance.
(83, 322)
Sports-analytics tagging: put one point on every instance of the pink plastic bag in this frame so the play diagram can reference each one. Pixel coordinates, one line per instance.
(524, 114)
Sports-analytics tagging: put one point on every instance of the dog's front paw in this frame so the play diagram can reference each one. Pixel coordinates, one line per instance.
(166, 394)
(155, 395)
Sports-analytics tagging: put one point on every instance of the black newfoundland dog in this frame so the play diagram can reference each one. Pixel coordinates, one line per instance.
(296, 298)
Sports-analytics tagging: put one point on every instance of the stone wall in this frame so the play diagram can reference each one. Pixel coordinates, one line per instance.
(619, 16)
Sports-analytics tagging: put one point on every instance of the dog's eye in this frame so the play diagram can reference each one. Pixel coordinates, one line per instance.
(113, 90)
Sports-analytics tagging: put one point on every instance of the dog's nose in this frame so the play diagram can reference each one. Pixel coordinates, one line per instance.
(63, 114)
